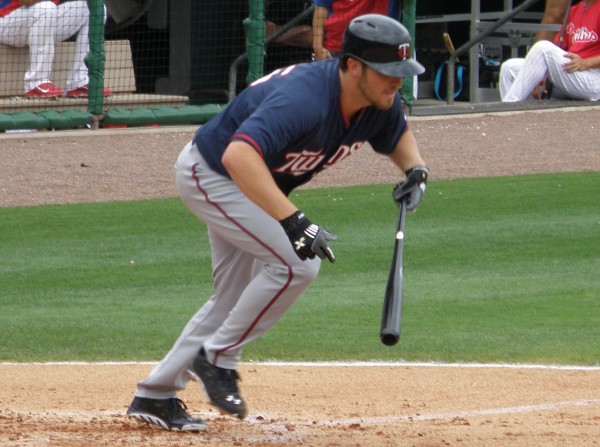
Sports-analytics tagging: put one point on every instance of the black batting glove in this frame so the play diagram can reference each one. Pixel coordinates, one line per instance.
(413, 188)
(307, 238)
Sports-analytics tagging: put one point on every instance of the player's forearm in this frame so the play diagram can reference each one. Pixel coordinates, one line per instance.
(553, 14)
(318, 27)
(29, 2)
(406, 153)
(577, 63)
(250, 173)
(592, 62)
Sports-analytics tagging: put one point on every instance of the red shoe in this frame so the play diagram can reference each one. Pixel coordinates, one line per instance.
(83, 92)
(44, 90)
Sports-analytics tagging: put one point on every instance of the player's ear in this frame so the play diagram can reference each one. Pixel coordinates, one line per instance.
(355, 67)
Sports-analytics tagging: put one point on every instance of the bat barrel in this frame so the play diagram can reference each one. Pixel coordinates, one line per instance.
(392, 302)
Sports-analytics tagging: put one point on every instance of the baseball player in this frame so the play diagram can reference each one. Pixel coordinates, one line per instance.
(573, 69)
(236, 175)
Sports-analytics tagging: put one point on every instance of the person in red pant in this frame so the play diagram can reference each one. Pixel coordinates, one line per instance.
(38, 24)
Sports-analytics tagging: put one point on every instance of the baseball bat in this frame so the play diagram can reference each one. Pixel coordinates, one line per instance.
(392, 301)
(449, 44)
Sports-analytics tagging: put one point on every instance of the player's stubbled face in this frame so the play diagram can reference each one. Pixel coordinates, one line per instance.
(378, 89)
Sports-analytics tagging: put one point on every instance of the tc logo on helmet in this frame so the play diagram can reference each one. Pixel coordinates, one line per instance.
(404, 51)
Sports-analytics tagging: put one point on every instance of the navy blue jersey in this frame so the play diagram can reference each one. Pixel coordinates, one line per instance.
(292, 117)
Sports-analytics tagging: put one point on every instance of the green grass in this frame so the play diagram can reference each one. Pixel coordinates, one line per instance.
(496, 270)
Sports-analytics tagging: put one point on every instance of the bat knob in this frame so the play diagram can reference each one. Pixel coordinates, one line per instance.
(389, 339)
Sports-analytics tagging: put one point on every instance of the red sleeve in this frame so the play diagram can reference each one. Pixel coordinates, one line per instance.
(6, 7)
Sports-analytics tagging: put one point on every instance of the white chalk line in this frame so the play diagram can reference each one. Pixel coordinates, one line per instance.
(340, 364)
(466, 414)
(259, 419)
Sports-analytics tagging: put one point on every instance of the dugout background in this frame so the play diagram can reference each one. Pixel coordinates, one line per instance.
(187, 46)
(180, 53)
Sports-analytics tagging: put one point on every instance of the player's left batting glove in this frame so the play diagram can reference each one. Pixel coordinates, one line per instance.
(413, 188)
(307, 238)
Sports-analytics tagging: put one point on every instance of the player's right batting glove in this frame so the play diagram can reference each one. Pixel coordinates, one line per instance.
(307, 238)
(413, 188)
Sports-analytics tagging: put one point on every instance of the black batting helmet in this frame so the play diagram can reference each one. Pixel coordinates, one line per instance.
(383, 44)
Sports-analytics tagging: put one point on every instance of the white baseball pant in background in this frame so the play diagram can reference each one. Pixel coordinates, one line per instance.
(41, 25)
(518, 77)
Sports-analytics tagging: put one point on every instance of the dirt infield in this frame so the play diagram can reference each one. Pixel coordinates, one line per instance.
(84, 405)
(129, 164)
(67, 405)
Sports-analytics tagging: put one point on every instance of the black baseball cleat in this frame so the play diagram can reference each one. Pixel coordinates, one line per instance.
(220, 385)
(169, 414)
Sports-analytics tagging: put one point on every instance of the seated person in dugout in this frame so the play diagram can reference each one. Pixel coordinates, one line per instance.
(38, 24)
(571, 64)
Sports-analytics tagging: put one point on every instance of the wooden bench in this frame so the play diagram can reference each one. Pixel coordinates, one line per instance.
(118, 69)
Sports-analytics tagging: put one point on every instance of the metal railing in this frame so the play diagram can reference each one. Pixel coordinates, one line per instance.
(475, 40)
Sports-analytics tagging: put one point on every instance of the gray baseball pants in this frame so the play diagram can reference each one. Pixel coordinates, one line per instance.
(256, 276)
